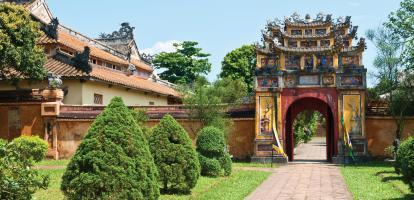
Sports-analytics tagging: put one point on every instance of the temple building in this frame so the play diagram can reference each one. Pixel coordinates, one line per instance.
(92, 71)
(310, 64)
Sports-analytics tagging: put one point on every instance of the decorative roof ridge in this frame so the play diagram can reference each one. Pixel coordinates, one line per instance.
(93, 42)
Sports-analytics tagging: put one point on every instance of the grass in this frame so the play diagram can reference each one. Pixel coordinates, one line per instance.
(237, 186)
(53, 191)
(375, 180)
(53, 163)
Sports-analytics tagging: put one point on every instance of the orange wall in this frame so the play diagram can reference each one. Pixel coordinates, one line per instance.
(380, 133)
(30, 119)
(240, 142)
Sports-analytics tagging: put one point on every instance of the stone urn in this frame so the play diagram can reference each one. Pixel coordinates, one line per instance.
(52, 94)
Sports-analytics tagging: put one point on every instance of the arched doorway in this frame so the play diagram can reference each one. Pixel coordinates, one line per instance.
(315, 104)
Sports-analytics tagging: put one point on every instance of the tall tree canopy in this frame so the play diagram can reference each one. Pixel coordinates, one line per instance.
(19, 54)
(394, 83)
(184, 65)
(240, 64)
(401, 23)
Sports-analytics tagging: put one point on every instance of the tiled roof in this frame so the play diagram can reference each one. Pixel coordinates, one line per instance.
(45, 39)
(110, 76)
(353, 49)
(120, 78)
(310, 24)
(142, 65)
(63, 69)
(72, 42)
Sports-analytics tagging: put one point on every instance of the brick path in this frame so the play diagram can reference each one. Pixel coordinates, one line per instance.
(302, 180)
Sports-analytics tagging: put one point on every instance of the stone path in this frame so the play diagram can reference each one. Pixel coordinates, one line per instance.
(304, 180)
(313, 151)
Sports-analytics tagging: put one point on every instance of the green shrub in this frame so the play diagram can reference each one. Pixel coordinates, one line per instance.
(209, 166)
(142, 118)
(113, 161)
(17, 179)
(404, 163)
(211, 148)
(175, 157)
(30, 147)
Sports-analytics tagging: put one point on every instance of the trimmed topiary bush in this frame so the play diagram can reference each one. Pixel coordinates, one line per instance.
(404, 162)
(17, 178)
(113, 161)
(211, 148)
(175, 157)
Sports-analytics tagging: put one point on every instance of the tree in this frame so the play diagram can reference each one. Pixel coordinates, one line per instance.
(394, 83)
(175, 157)
(211, 148)
(142, 118)
(305, 126)
(17, 178)
(113, 161)
(230, 91)
(184, 65)
(401, 25)
(19, 54)
(240, 64)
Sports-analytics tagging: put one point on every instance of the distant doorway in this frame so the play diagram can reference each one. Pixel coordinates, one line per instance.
(325, 145)
(309, 137)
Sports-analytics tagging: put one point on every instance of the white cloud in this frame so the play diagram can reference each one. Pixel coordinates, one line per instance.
(162, 46)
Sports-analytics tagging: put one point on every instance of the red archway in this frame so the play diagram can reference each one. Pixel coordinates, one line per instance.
(324, 101)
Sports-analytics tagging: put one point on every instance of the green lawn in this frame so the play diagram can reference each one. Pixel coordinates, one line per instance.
(53, 163)
(236, 186)
(376, 181)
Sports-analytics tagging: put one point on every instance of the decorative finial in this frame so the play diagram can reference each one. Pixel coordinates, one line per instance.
(308, 18)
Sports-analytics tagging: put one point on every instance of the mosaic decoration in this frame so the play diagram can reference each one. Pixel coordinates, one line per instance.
(263, 62)
(268, 62)
(351, 106)
(267, 82)
(351, 80)
(267, 106)
(328, 80)
(309, 80)
(290, 81)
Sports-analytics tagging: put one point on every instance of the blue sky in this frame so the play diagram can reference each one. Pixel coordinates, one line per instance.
(218, 25)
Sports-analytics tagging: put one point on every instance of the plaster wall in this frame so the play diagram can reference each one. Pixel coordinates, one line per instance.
(240, 140)
(130, 97)
(380, 132)
(29, 115)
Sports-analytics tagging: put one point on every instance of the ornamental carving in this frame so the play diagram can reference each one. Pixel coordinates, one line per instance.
(328, 80)
(290, 81)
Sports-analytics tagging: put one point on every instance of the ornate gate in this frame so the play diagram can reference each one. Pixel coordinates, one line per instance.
(309, 64)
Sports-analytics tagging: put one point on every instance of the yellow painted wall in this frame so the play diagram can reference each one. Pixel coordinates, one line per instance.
(130, 97)
(74, 95)
(82, 93)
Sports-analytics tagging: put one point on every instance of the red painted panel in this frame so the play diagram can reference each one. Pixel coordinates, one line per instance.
(324, 100)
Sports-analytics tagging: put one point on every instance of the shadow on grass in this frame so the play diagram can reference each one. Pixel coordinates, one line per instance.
(370, 164)
(405, 197)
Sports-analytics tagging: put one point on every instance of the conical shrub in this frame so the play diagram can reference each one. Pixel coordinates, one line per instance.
(113, 161)
(174, 156)
(211, 148)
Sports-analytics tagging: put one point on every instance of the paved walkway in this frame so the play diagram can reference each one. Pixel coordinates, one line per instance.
(304, 180)
(313, 151)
